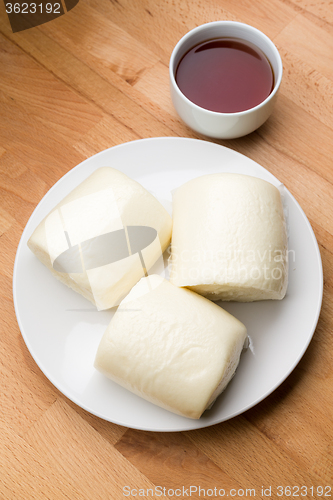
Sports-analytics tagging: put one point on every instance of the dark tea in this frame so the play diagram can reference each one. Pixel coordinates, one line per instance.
(227, 75)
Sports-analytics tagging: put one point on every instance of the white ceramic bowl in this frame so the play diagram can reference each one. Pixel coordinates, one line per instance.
(215, 124)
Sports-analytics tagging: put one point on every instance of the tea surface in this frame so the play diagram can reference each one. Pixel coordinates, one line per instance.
(226, 75)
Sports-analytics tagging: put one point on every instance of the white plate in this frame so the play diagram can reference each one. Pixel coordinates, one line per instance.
(62, 330)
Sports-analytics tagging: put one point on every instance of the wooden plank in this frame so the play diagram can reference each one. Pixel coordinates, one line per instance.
(172, 461)
(312, 92)
(251, 458)
(81, 457)
(96, 89)
(25, 474)
(310, 42)
(321, 10)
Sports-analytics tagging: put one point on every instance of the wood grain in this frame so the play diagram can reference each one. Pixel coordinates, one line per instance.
(97, 77)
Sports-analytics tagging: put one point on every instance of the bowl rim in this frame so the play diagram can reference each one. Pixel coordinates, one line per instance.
(209, 112)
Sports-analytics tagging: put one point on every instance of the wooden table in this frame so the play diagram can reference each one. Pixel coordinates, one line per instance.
(97, 77)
